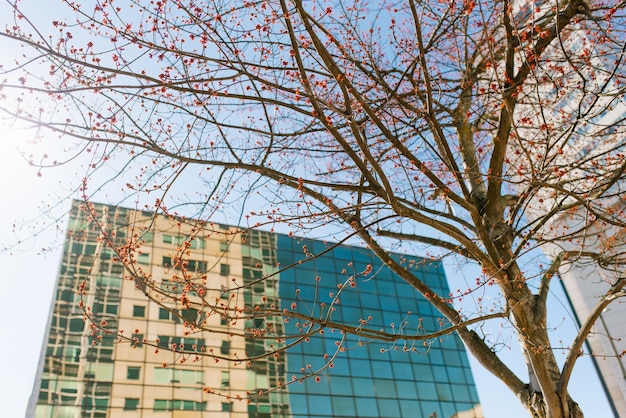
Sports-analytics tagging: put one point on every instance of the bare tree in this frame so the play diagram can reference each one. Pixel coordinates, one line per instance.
(482, 130)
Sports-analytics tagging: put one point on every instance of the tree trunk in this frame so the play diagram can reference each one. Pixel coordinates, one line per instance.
(535, 404)
(541, 397)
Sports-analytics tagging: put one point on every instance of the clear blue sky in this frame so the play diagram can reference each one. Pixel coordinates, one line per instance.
(29, 276)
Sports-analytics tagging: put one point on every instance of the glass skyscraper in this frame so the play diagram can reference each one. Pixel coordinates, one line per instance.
(173, 362)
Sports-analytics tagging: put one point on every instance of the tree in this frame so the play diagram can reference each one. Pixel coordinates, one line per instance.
(482, 131)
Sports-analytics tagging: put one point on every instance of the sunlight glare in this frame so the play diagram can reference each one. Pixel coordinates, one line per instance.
(14, 142)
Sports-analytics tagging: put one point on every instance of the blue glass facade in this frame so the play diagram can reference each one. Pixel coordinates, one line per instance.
(369, 378)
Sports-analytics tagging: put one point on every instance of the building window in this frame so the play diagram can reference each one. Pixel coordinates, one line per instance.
(195, 265)
(131, 404)
(224, 269)
(111, 308)
(77, 325)
(90, 249)
(225, 379)
(160, 404)
(176, 240)
(191, 265)
(162, 375)
(137, 340)
(102, 404)
(132, 373)
(223, 246)
(147, 237)
(180, 343)
(139, 311)
(110, 282)
(178, 404)
(106, 254)
(143, 258)
(225, 349)
(227, 406)
(171, 287)
(190, 315)
(184, 377)
(167, 315)
(196, 243)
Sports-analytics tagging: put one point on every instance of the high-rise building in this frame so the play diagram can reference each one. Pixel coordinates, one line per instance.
(173, 362)
(585, 285)
(587, 280)
(571, 131)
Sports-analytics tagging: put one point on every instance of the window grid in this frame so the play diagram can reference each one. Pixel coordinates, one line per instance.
(401, 381)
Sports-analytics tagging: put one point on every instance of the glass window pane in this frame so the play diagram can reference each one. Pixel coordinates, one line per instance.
(198, 243)
(319, 388)
(389, 407)
(360, 368)
(386, 388)
(132, 372)
(366, 407)
(410, 408)
(381, 369)
(139, 311)
(343, 405)
(428, 408)
(427, 391)
(406, 389)
(131, 404)
(402, 371)
(162, 375)
(160, 404)
(224, 269)
(444, 392)
(363, 386)
(164, 313)
(340, 385)
(76, 324)
(187, 376)
(451, 357)
(113, 282)
(143, 259)
(461, 393)
(424, 372)
(298, 402)
(319, 405)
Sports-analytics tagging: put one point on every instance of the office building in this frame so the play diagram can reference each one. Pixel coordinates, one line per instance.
(567, 132)
(205, 283)
(586, 280)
